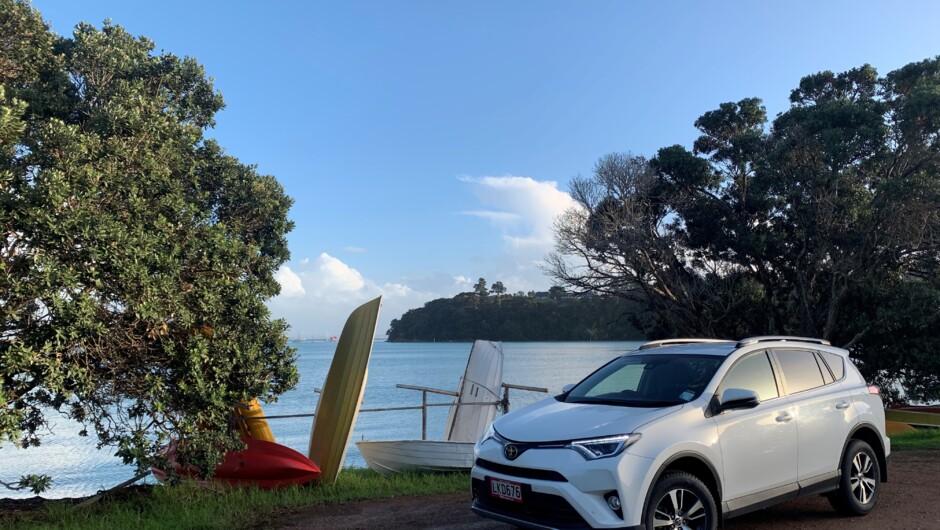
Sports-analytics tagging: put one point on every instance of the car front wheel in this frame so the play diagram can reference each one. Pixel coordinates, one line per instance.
(681, 501)
(858, 486)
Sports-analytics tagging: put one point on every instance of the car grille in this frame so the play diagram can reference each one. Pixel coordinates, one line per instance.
(537, 508)
(524, 472)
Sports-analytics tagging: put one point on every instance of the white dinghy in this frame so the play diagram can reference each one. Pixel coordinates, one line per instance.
(474, 407)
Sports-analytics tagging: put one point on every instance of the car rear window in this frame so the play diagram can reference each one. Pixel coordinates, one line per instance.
(836, 364)
(800, 370)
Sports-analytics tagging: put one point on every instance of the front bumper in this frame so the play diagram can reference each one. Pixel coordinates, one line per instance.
(560, 489)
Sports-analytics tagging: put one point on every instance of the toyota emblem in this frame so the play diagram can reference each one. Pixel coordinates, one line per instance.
(511, 451)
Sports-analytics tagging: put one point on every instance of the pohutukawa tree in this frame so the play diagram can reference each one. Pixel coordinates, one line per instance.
(824, 224)
(136, 255)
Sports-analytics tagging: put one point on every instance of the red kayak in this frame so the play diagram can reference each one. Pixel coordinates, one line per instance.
(264, 464)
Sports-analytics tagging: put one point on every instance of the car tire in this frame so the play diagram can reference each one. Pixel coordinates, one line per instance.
(678, 499)
(859, 483)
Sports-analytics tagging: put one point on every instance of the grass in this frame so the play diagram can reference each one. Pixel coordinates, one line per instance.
(189, 506)
(916, 440)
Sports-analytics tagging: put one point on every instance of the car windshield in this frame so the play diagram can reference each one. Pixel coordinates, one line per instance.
(647, 380)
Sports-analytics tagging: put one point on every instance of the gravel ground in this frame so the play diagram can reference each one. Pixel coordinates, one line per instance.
(909, 500)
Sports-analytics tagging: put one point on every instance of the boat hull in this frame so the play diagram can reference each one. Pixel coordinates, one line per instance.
(480, 383)
(250, 421)
(264, 464)
(400, 456)
(339, 401)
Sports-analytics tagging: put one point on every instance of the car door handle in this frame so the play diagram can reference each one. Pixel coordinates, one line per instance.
(784, 417)
(843, 405)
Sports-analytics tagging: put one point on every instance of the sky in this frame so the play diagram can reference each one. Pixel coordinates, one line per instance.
(427, 144)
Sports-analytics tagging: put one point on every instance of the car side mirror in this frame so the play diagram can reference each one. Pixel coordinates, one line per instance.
(737, 398)
(567, 388)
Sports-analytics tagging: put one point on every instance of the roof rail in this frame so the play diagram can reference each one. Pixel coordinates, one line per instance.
(668, 342)
(781, 338)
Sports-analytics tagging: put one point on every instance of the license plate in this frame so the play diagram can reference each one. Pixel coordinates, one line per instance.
(504, 489)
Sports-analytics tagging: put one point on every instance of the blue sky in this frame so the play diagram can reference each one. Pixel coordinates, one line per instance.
(428, 143)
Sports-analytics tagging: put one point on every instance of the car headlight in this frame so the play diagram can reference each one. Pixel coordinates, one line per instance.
(490, 434)
(603, 447)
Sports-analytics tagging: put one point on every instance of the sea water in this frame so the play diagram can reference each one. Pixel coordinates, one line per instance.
(78, 468)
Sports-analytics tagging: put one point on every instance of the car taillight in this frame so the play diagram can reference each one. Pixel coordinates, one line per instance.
(872, 389)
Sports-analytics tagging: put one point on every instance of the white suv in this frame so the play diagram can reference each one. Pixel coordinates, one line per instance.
(682, 433)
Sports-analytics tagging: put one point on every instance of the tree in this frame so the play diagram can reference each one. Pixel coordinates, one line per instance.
(556, 292)
(498, 289)
(809, 227)
(480, 288)
(136, 255)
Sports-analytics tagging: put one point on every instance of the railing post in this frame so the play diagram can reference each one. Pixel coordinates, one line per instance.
(505, 399)
(424, 414)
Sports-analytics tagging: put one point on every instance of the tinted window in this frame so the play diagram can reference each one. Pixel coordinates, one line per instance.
(836, 364)
(827, 377)
(753, 373)
(799, 370)
(647, 380)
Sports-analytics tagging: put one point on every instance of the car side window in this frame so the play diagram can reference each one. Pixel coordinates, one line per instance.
(800, 370)
(836, 364)
(753, 372)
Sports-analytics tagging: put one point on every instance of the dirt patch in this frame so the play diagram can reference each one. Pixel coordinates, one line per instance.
(906, 501)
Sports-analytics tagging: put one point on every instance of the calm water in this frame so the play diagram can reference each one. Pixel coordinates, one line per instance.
(78, 468)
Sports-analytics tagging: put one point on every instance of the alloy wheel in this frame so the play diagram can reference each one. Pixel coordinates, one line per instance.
(680, 509)
(863, 481)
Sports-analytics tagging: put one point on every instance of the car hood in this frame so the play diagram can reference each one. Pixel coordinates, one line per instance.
(552, 420)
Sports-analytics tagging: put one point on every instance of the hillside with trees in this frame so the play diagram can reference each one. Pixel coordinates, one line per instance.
(544, 316)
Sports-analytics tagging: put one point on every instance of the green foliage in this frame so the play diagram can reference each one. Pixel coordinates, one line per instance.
(916, 440)
(480, 288)
(190, 506)
(824, 224)
(34, 483)
(464, 318)
(136, 255)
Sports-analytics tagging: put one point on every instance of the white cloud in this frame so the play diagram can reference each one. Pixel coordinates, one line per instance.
(496, 217)
(397, 289)
(337, 276)
(523, 208)
(317, 298)
(354, 250)
(291, 285)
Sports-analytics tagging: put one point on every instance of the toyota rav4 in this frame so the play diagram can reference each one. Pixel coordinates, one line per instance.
(682, 433)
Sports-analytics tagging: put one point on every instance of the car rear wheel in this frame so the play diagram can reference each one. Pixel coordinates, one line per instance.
(681, 501)
(858, 486)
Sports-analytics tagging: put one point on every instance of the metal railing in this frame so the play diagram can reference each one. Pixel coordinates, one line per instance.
(504, 403)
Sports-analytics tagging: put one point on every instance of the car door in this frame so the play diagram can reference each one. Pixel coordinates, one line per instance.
(758, 445)
(823, 410)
